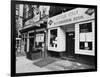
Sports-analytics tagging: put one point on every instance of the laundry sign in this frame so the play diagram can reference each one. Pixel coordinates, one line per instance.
(73, 16)
(40, 38)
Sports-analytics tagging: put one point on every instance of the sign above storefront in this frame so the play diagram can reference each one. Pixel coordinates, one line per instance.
(73, 16)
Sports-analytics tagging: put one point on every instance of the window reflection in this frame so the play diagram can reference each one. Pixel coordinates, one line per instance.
(86, 27)
(53, 38)
(86, 45)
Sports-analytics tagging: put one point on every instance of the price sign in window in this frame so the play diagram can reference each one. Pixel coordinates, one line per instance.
(86, 45)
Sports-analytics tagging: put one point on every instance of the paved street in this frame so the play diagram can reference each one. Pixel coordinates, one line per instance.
(24, 65)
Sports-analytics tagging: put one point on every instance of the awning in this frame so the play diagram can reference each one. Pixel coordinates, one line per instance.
(34, 26)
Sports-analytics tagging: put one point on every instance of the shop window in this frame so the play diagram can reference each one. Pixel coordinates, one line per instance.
(38, 44)
(53, 38)
(86, 45)
(39, 40)
(86, 27)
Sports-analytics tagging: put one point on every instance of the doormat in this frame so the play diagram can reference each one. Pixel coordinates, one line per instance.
(44, 62)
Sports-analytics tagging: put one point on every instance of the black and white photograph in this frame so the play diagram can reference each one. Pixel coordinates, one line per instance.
(51, 38)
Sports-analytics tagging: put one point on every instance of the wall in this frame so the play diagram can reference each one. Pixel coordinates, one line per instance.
(61, 39)
(69, 28)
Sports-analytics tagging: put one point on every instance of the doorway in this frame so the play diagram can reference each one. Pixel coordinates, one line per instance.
(25, 49)
(31, 42)
(70, 41)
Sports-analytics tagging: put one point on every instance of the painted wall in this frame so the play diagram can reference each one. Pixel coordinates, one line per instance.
(69, 28)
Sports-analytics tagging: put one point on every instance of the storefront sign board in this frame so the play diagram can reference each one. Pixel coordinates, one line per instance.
(73, 16)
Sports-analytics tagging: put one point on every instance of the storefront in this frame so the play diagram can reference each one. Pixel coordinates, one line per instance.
(36, 43)
(72, 32)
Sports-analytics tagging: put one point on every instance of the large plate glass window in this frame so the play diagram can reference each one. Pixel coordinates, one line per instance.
(85, 28)
(53, 38)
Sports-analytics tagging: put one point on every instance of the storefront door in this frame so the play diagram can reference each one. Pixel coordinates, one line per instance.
(31, 44)
(31, 41)
(70, 43)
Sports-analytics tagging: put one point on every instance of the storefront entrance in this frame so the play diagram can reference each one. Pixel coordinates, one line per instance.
(31, 42)
(70, 43)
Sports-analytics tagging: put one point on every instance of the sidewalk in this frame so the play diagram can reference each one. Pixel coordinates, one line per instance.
(23, 65)
(67, 65)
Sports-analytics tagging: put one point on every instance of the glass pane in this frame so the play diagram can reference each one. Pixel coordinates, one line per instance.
(81, 45)
(86, 27)
(53, 38)
(86, 45)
